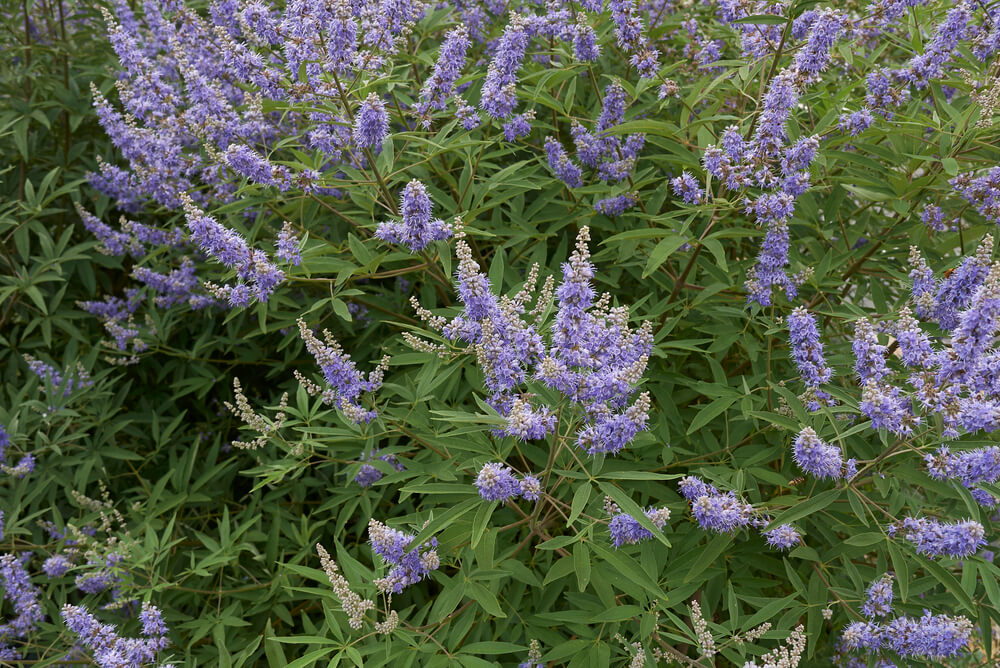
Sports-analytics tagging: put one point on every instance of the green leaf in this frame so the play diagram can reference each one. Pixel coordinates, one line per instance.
(581, 565)
(710, 412)
(661, 252)
(950, 582)
(580, 498)
(485, 598)
(629, 506)
(805, 508)
(707, 556)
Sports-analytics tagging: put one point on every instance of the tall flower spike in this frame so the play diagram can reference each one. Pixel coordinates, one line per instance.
(498, 97)
(807, 349)
(353, 605)
(345, 383)
(417, 229)
(869, 354)
(371, 124)
(440, 84)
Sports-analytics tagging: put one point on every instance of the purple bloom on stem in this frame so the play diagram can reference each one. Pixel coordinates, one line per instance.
(408, 568)
(783, 537)
(856, 122)
(935, 538)
(807, 349)
(496, 482)
(722, 513)
(816, 457)
(371, 123)
(626, 530)
(417, 229)
(56, 566)
(23, 596)
(498, 97)
(869, 354)
(687, 188)
(615, 206)
(879, 601)
(519, 126)
(287, 244)
(439, 85)
(564, 168)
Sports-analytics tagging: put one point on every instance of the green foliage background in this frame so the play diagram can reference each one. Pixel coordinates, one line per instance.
(223, 539)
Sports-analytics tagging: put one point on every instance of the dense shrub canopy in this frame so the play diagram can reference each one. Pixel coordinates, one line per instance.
(379, 332)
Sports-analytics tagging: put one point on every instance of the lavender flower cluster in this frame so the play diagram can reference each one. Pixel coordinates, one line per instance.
(594, 359)
(933, 637)
(497, 482)
(409, 566)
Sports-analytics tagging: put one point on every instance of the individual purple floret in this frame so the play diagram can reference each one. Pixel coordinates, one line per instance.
(371, 123)
(722, 513)
(407, 568)
(816, 457)
(417, 229)
(626, 530)
(936, 539)
(687, 188)
(109, 650)
(879, 601)
(783, 537)
(497, 482)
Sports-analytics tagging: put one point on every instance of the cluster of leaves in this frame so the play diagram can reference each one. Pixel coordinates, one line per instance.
(222, 538)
